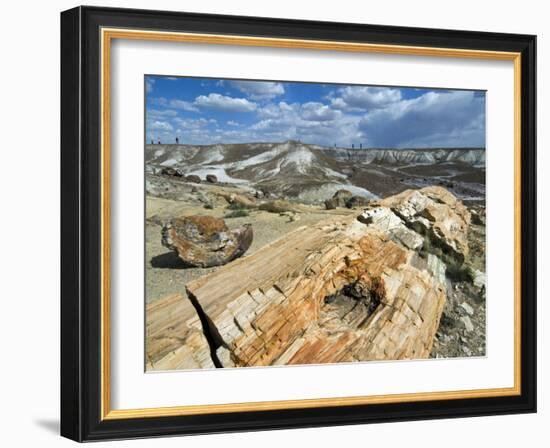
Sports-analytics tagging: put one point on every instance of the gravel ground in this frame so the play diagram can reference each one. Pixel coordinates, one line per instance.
(463, 327)
(462, 331)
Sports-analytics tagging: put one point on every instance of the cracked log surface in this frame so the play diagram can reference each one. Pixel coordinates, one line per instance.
(344, 290)
(175, 340)
(271, 308)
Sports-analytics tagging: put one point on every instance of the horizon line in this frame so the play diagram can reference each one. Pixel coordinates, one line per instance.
(353, 147)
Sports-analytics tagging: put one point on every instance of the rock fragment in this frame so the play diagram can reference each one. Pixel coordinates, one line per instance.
(468, 325)
(479, 279)
(467, 308)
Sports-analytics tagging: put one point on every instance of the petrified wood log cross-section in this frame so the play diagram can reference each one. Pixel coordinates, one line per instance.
(339, 291)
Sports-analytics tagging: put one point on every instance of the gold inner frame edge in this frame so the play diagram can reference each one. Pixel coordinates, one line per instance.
(107, 35)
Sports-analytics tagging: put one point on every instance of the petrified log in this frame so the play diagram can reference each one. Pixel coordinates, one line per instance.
(281, 206)
(334, 292)
(174, 336)
(193, 178)
(167, 171)
(436, 213)
(211, 178)
(205, 241)
(239, 200)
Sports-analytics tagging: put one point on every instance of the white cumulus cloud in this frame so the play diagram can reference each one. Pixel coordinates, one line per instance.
(190, 123)
(259, 90)
(314, 111)
(225, 103)
(156, 113)
(160, 126)
(365, 98)
(183, 105)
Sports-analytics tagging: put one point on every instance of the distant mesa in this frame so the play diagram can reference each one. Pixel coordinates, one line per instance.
(312, 173)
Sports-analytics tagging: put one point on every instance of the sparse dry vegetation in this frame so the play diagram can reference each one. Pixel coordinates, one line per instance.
(237, 213)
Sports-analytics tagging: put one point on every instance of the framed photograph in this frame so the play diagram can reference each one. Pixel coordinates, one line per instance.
(273, 223)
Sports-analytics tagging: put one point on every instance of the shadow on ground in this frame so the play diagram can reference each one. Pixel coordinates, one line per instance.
(169, 260)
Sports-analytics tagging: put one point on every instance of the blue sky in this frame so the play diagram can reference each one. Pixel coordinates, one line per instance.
(206, 111)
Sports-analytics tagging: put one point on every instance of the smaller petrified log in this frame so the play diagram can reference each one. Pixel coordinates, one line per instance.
(167, 171)
(211, 178)
(239, 200)
(205, 241)
(280, 206)
(193, 178)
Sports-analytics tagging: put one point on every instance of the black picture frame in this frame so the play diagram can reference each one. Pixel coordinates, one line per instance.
(81, 224)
